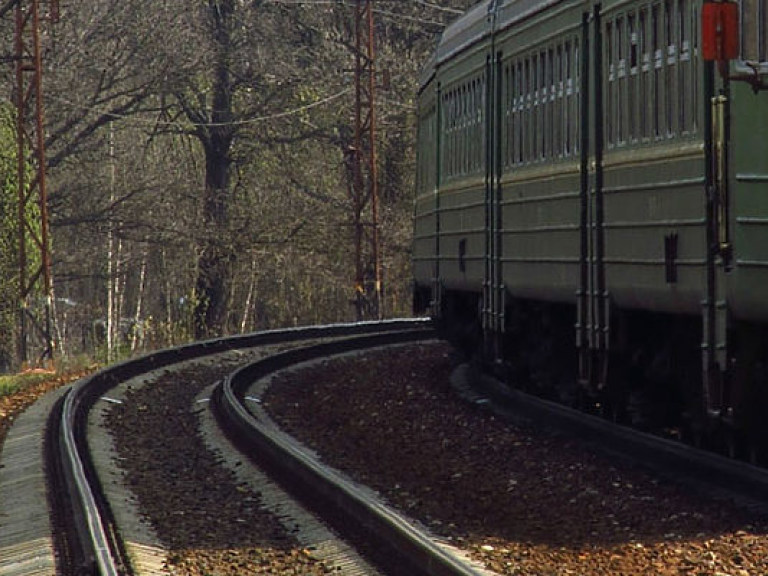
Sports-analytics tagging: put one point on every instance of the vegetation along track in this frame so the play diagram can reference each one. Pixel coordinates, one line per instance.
(93, 545)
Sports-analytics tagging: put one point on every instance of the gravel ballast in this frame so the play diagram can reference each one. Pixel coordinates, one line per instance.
(208, 521)
(521, 500)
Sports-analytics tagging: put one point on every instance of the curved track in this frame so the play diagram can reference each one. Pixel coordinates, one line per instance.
(94, 547)
(354, 509)
(92, 543)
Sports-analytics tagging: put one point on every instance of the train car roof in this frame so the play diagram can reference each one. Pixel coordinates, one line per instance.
(510, 12)
(479, 22)
(469, 28)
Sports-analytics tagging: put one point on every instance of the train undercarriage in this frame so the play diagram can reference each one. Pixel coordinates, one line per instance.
(653, 377)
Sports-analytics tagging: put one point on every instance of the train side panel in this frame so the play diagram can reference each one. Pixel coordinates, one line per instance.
(655, 229)
(463, 166)
(748, 279)
(425, 245)
(540, 125)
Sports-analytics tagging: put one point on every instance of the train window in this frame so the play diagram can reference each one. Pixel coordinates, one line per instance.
(460, 130)
(473, 125)
(558, 114)
(577, 96)
(754, 39)
(670, 79)
(511, 99)
(442, 130)
(684, 65)
(530, 139)
(550, 105)
(610, 104)
(633, 72)
(448, 132)
(452, 138)
(464, 129)
(465, 137)
(534, 120)
(532, 106)
(426, 150)
(549, 95)
(470, 127)
(456, 127)
(478, 123)
(528, 113)
(633, 43)
(449, 139)
(520, 113)
(507, 100)
(656, 101)
(517, 107)
(574, 108)
(541, 98)
(470, 131)
(694, 76)
(568, 97)
(469, 122)
(512, 127)
(512, 123)
(645, 67)
(457, 134)
(621, 75)
(544, 105)
(536, 69)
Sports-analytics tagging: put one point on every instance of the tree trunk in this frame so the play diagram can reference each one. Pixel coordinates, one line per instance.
(214, 269)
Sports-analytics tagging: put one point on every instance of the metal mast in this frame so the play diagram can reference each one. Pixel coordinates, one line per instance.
(363, 160)
(35, 267)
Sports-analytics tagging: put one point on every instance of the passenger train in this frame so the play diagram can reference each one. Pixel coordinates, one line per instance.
(591, 214)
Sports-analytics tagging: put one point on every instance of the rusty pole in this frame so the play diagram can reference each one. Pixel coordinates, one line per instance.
(33, 228)
(368, 275)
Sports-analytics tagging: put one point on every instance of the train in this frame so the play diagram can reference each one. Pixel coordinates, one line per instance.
(591, 207)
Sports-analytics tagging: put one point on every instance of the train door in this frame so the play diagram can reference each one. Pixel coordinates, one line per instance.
(494, 299)
(593, 321)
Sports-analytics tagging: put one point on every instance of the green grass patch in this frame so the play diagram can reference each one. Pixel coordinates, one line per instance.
(16, 382)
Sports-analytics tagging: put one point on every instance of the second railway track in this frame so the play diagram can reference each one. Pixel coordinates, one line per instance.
(93, 544)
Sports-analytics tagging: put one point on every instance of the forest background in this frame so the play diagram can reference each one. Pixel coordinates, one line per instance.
(196, 166)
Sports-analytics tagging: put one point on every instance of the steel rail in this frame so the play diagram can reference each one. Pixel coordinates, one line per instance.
(354, 508)
(95, 543)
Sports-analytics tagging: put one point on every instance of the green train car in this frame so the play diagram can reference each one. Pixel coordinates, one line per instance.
(591, 214)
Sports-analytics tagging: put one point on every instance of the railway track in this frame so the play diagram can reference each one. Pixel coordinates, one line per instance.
(93, 543)
(404, 547)
(97, 547)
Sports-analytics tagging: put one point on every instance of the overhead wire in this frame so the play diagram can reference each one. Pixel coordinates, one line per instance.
(138, 121)
(255, 120)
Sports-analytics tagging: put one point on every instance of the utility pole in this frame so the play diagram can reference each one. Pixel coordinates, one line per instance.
(362, 163)
(34, 242)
